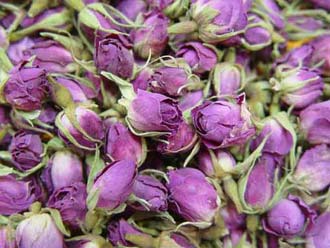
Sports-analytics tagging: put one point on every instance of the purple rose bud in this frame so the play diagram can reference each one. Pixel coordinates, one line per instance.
(169, 80)
(117, 231)
(227, 78)
(259, 189)
(303, 26)
(299, 87)
(17, 196)
(71, 203)
(232, 218)
(200, 58)
(48, 115)
(171, 8)
(142, 79)
(191, 99)
(222, 124)
(26, 150)
(289, 217)
(26, 88)
(76, 89)
(325, 4)
(299, 56)
(315, 123)
(224, 163)
(321, 53)
(63, 169)
(225, 19)
(313, 168)
(51, 56)
(163, 113)
(132, 9)
(181, 140)
(7, 237)
(318, 235)
(234, 239)
(16, 49)
(153, 37)
(115, 183)
(122, 144)
(279, 141)
(87, 135)
(39, 231)
(116, 50)
(152, 191)
(192, 196)
(273, 12)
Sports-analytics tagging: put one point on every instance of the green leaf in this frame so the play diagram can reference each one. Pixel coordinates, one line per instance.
(58, 221)
(92, 199)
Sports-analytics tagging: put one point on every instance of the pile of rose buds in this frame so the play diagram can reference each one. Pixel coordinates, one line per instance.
(165, 123)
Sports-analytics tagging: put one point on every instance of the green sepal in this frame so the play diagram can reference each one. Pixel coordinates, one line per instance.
(77, 5)
(62, 95)
(155, 173)
(177, 8)
(192, 153)
(56, 216)
(5, 170)
(97, 164)
(133, 198)
(92, 199)
(142, 133)
(37, 6)
(55, 143)
(5, 63)
(28, 116)
(199, 225)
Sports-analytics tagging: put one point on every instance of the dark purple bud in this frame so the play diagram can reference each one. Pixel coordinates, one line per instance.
(222, 124)
(260, 187)
(191, 99)
(115, 183)
(51, 56)
(313, 170)
(279, 141)
(315, 123)
(16, 49)
(181, 140)
(200, 58)
(39, 231)
(17, 196)
(122, 144)
(87, 135)
(153, 37)
(192, 196)
(321, 53)
(163, 113)
(26, 150)
(152, 191)
(70, 201)
(63, 169)
(318, 235)
(7, 237)
(169, 80)
(289, 217)
(26, 88)
(325, 4)
(117, 231)
(232, 218)
(48, 115)
(132, 9)
(141, 81)
(299, 56)
(112, 54)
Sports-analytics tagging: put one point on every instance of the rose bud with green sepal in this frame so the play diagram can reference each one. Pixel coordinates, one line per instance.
(16, 49)
(114, 184)
(321, 53)
(63, 169)
(298, 56)
(191, 196)
(152, 191)
(132, 9)
(80, 126)
(39, 231)
(289, 217)
(272, 10)
(7, 237)
(313, 168)
(171, 8)
(222, 123)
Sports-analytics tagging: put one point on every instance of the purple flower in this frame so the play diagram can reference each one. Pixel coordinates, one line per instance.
(152, 191)
(116, 50)
(260, 187)
(63, 169)
(115, 183)
(17, 196)
(162, 114)
(222, 124)
(289, 217)
(232, 218)
(315, 123)
(7, 237)
(132, 9)
(313, 168)
(153, 37)
(318, 235)
(141, 81)
(279, 141)
(321, 53)
(87, 134)
(122, 144)
(51, 56)
(26, 150)
(191, 195)
(16, 49)
(190, 99)
(117, 231)
(298, 56)
(273, 12)
(71, 203)
(325, 4)
(200, 58)
(39, 231)
(26, 88)
(181, 140)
